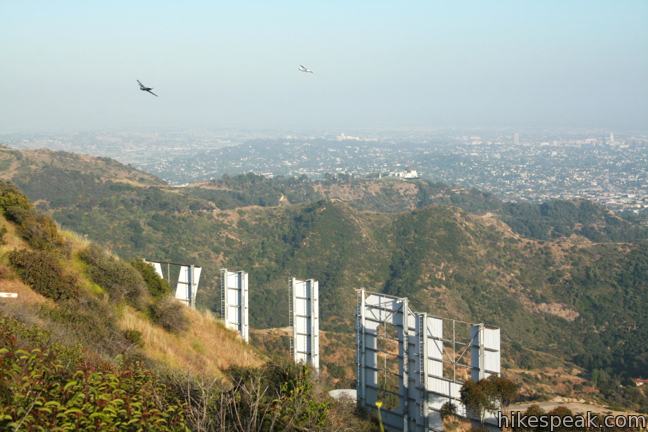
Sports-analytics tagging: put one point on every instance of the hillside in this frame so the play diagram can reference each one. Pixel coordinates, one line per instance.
(96, 279)
(93, 342)
(566, 281)
(39, 162)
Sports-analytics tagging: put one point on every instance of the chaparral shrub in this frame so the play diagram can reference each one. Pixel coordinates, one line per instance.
(42, 270)
(45, 386)
(117, 277)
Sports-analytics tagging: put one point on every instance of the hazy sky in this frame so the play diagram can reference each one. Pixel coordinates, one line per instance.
(72, 65)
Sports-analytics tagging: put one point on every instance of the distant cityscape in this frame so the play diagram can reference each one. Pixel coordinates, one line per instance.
(608, 168)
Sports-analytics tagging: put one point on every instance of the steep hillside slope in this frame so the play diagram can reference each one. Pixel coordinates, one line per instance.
(37, 252)
(86, 319)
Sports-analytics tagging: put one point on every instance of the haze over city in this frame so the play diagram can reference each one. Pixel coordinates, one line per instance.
(69, 66)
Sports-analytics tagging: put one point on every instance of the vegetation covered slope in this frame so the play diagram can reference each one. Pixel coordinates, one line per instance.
(93, 342)
(57, 270)
(564, 279)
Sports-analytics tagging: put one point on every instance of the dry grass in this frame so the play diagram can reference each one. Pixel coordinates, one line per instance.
(9, 171)
(456, 424)
(11, 238)
(77, 265)
(206, 348)
(27, 305)
(27, 302)
(10, 282)
(37, 159)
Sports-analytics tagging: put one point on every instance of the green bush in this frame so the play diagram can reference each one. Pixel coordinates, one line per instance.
(91, 321)
(134, 337)
(488, 394)
(41, 232)
(448, 409)
(37, 229)
(277, 397)
(3, 232)
(46, 386)
(10, 196)
(169, 314)
(17, 214)
(118, 278)
(157, 286)
(42, 270)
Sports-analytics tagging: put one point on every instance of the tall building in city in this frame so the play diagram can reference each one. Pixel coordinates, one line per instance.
(516, 138)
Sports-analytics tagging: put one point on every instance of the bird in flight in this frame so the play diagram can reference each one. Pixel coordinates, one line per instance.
(146, 89)
(304, 69)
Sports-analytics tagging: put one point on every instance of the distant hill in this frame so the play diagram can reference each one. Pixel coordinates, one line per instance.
(16, 164)
(549, 220)
(565, 280)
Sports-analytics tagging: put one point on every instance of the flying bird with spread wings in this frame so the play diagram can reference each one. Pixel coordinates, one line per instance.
(304, 69)
(146, 89)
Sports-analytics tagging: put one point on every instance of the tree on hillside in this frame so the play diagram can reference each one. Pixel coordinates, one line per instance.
(448, 409)
(474, 398)
(488, 394)
(503, 390)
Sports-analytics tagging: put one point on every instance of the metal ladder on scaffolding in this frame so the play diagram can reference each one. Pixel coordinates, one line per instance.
(222, 295)
(421, 322)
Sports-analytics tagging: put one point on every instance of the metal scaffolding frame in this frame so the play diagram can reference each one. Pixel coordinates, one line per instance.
(422, 357)
(187, 283)
(304, 320)
(234, 302)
